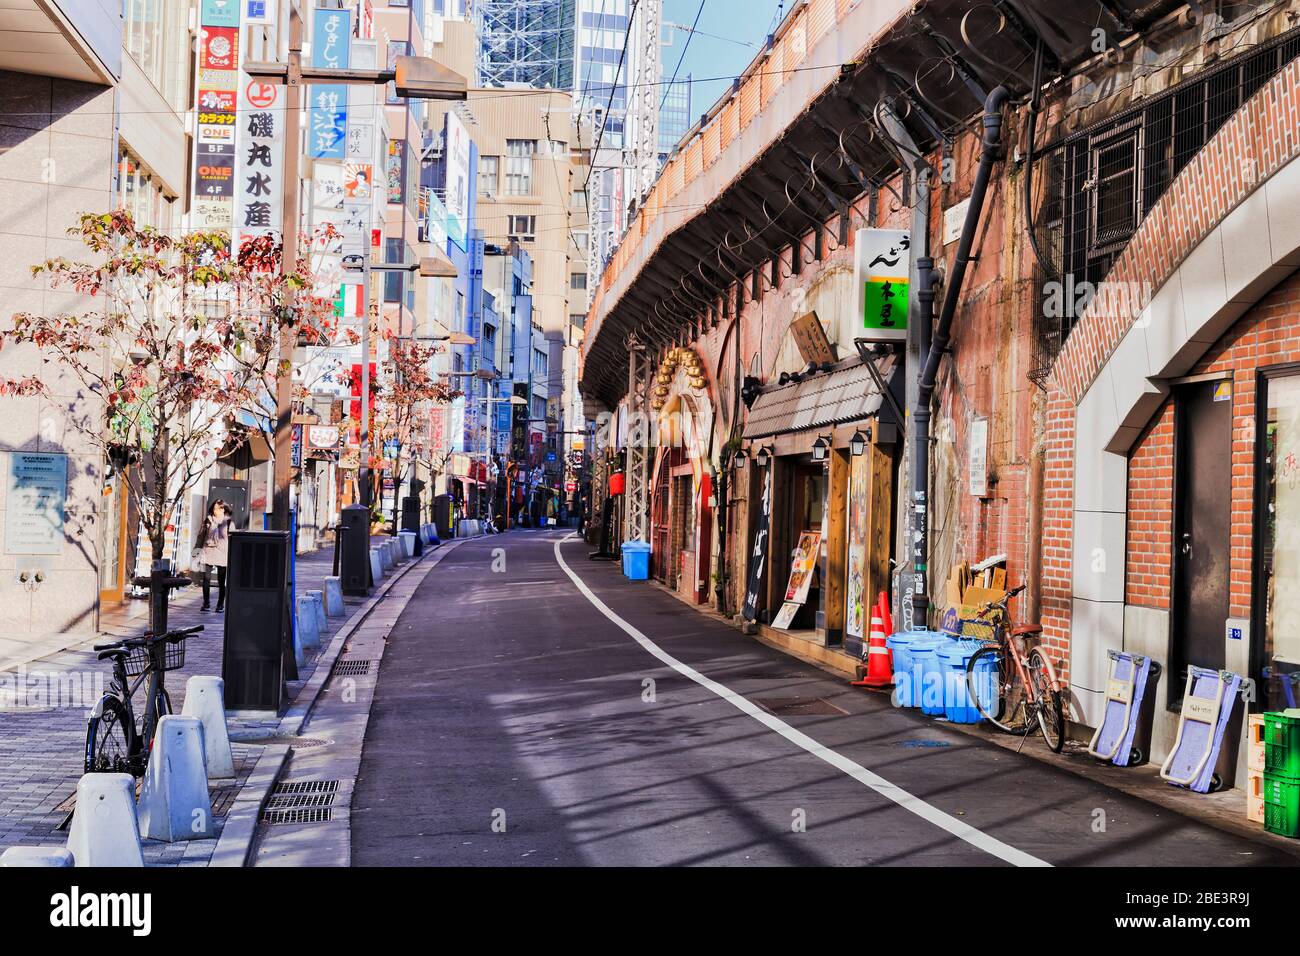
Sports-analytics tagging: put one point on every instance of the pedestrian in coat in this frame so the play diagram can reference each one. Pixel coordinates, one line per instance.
(213, 549)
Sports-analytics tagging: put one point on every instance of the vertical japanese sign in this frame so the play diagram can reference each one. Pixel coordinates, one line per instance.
(457, 183)
(216, 91)
(328, 115)
(856, 574)
(881, 265)
(758, 553)
(259, 188)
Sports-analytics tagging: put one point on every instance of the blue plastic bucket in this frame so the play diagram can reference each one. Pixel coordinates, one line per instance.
(900, 647)
(636, 560)
(985, 678)
(928, 674)
(957, 705)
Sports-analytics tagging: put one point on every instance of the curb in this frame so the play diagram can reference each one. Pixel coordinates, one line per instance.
(236, 840)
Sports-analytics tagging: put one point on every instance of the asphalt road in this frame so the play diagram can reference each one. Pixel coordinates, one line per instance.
(516, 723)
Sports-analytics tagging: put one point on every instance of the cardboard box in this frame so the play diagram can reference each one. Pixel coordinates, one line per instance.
(1255, 742)
(1255, 796)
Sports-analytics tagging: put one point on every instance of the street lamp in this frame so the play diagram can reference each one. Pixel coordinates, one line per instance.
(762, 457)
(740, 457)
(415, 77)
(821, 448)
(858, 443)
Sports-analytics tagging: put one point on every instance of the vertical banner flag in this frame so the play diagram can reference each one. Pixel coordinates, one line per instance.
(216, 91)
(331, 40)
(882, 263)
(259, 186)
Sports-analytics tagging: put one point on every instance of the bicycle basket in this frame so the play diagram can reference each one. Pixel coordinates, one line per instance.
(137, 658)
(979, 629)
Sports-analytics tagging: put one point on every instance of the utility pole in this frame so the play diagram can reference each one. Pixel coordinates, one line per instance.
(415, 77)
(283, 439)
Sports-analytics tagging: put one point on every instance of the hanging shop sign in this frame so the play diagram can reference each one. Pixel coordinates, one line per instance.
(259, 196)
(881, 265)
(458, 181)
(856, 573)
(758, 553)
(328, 114)
(215, 112)
(810, 337)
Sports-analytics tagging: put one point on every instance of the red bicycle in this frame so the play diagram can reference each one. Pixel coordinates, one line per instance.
(1013, 684)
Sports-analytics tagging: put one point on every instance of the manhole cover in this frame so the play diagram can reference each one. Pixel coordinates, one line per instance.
(352, 668)
(921, 743)
(799, 706)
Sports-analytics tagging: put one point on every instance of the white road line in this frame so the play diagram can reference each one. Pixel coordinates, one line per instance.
(931, 814)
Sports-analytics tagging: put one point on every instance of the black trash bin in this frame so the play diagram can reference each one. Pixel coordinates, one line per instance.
(411, 521)
(354, 550)
(257, 657)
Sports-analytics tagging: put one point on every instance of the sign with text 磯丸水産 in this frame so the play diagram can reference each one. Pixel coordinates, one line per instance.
(34, 501)
(882, 262)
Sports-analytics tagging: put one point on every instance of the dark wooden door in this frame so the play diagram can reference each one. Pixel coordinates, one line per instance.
(1202, 527)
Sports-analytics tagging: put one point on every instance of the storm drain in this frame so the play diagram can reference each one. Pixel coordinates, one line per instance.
(300, 801)
(799, 707)
(352, 668)
(222, 798)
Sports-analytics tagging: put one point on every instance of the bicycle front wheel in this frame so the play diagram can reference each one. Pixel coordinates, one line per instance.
(108, 740)
(993, 684)
(1050, 712)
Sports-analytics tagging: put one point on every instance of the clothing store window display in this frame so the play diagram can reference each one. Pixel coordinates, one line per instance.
(213, 550)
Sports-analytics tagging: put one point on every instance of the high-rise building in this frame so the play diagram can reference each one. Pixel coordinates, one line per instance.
(674, 115)
(528, 42)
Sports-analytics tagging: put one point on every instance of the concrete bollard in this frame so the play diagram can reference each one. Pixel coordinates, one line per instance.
(307, 630)
(391, 551)
(408, 543)
(399, 552)
(318, 605)
(17, 856)
(377, 563)
(104, 831)
(174, 802)
(205, 699)
(333, 597)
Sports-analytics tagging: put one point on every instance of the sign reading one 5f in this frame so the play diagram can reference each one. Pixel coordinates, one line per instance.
(881, 265)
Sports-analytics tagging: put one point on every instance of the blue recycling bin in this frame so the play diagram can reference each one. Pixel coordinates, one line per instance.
(900, 647)
(636, 560)
(928, 674)
(957, 705)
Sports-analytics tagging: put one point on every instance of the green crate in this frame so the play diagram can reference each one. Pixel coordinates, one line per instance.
(1281, 805)
(1282, 744)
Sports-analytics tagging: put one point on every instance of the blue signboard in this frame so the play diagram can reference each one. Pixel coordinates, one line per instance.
(327, 134)
(220, 13)
(331, 39)
(331, 33)
(504, 416)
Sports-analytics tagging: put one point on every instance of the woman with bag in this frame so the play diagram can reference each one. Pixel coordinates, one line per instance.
(214, 545)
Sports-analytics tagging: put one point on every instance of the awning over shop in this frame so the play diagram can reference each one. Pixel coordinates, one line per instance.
(846, 394)
(244, 448)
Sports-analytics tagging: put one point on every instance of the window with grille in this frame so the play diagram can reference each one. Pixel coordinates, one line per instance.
(519, 166)
(1100, 183)
(521, 228)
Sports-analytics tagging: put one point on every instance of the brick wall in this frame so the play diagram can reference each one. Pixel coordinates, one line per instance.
(1151, 514)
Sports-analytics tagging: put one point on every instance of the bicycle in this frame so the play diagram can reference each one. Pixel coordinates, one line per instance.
(1027, 690)
(113, 743)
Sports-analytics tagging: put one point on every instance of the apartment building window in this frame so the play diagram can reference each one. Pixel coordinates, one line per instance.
(579, 200)
(541, 365)
(522, 228)
(580, 242)
(142, 196)
(578, 281)
(489, 171)
(578, 319)
(519, 166)
(490, 339)
(539, 408)
(157, 35)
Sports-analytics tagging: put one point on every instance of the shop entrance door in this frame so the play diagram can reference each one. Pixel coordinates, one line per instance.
(1202, 515)
(661, 518)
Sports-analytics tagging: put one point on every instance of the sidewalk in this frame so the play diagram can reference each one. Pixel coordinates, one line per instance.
(42, 743)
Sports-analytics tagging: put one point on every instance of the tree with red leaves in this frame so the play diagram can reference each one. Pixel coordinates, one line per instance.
(179, 335)
(404, 398)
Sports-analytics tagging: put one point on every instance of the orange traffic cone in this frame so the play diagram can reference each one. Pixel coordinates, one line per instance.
(880, 664)
(885, 616)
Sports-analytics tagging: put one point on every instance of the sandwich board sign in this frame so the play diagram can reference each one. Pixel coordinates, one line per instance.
(882, 263)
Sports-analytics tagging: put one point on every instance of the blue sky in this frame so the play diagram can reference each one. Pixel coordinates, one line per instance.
(745, 24)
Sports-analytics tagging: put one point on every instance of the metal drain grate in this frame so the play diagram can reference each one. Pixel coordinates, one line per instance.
(297, 815)
(289, 800)
(305, 786)
(297, 743)
(352, 668)
(799, 707)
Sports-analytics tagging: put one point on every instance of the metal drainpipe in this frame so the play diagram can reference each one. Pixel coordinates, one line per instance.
(991, 143)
